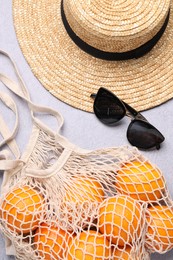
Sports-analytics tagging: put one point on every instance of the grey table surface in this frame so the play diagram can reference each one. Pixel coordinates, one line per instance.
(80, 127)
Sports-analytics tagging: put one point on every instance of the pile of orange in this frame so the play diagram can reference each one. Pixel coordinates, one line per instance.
(90, 245)
(50, 241)
(144, 182)
(79, 197)
(21, 209)
(82, 189)
(122, 253)
(159, 235)
(140, 180)
(120, 221)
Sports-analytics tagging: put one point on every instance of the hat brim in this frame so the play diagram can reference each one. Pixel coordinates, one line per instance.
(72, 75)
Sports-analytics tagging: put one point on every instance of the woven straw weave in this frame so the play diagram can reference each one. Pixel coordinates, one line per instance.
(72, 75)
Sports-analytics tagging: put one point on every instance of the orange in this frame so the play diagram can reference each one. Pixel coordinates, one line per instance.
(50, 241)
(21, 209)
(84, 189)
(128, 253)
(89, 245)
(80, 196)
(122, 253)
(159, 236)
(120, 219)
(140, 180)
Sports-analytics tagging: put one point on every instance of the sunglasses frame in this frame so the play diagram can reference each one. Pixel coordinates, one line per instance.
(127, 110)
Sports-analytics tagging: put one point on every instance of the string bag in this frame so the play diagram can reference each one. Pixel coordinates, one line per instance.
(59, 201)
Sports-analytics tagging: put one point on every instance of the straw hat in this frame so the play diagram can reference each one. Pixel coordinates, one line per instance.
(111, 34)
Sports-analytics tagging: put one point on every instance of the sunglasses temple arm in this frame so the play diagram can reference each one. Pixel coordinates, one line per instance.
(134, 113)
(93, 95)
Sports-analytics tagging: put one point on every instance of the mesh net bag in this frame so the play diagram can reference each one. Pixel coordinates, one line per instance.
(68, 203)
(59, 201)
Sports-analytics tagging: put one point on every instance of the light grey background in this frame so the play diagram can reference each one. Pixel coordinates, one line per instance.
(80, 127)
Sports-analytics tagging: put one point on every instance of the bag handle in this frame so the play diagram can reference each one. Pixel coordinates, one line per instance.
(6, 162)
(23, 93)
(7, 135)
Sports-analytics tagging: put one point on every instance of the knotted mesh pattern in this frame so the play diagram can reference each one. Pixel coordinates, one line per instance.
(67, 203)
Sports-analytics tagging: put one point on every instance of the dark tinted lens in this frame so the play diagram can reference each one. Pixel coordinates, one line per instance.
(108, 108)
(143, 135)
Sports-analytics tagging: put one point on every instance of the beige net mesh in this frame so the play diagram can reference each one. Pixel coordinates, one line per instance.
(67, 203)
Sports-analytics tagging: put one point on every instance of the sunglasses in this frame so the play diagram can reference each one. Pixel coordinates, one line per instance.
(109, 109)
